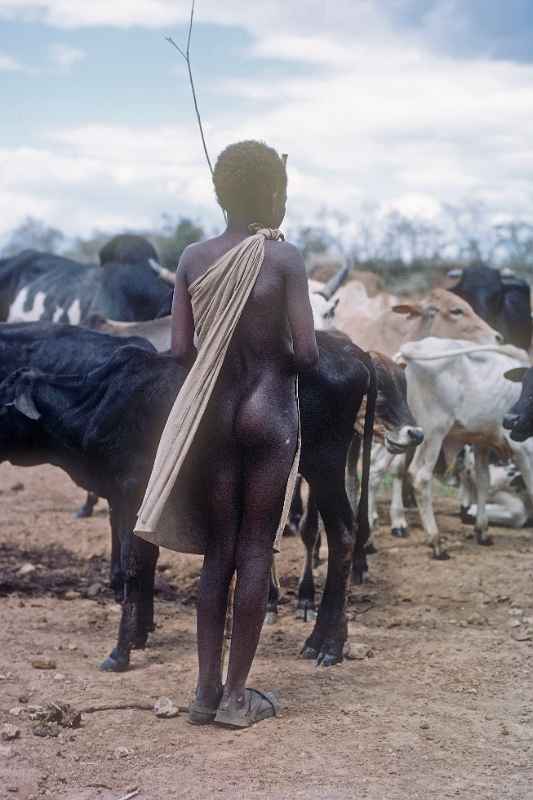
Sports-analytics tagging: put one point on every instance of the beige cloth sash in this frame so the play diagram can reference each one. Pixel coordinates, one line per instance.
(173, 513)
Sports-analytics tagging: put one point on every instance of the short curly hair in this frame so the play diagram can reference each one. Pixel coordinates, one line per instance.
(246, 177)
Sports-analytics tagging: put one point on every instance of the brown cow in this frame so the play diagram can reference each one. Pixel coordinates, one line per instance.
(441, 314)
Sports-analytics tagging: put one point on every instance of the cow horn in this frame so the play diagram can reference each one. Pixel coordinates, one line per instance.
(164, 273)
(335, 282)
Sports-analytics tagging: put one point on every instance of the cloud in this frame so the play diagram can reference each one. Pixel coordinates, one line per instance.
(64, 56)
(10, 64)
(384, 108)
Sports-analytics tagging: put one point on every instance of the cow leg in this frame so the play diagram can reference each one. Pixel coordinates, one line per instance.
(398, 517)
(87, 508)
(467, 487)
(146, 555)
(297, 510)
(306, 588)
(377, 473)
(316, 551)
(326, 642)
(379, 455)
(116, 573)
(352, 478)
(481, 456)
(273, 596)
(421, 470)
(137, 560)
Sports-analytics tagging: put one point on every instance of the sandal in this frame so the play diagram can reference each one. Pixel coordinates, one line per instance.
(257, 707)
(200, 714)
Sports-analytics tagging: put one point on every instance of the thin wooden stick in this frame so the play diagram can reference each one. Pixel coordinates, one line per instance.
(125, 707)
(186, 55)
(131, 795)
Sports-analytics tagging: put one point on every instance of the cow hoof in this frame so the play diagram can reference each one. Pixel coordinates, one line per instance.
(442, 556)
(271, 617)
(370, 549)
(309, 653)
(329, 657)
(466, 517)
(114, 663)
(83, 513)
(400, 533)
(306, 611)
(484, 539)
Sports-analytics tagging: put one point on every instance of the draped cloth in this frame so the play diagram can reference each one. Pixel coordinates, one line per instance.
(174, 513)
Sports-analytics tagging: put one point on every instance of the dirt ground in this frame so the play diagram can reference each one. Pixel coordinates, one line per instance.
(442, 706)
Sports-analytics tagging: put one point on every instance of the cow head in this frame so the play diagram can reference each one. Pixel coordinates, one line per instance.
(127, 248)
(447, 316)
(17, 391)
(392, 410)
(519, 418)
(482, 288)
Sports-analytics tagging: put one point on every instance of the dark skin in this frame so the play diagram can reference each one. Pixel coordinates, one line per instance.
(252, 438)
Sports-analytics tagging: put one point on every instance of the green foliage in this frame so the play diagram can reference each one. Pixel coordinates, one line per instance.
(174, 238)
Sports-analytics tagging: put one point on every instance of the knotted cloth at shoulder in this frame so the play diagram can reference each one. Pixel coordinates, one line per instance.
(169, 516)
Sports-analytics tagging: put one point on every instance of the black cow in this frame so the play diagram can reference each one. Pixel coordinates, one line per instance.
(396, 427)
(103, 428)
(519, 418)
(128, 248)
(42, 286)
(502, 300)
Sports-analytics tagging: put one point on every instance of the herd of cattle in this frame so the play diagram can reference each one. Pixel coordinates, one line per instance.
(410, 388)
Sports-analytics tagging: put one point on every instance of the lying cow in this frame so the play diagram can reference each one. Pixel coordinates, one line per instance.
(41, 286)
(505, 504)
(458, 394)
(103, 429)
(500, 298)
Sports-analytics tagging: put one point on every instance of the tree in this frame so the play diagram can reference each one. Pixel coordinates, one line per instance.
(34, 234)
(174, 238)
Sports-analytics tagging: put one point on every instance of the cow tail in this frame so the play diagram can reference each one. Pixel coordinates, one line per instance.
(363, 525)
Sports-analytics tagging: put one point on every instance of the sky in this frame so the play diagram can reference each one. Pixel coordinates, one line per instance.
(392, 104)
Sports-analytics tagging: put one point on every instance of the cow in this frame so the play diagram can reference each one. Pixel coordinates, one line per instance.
(519, 417)
(52, 347)
(440, 314)
(102, 428)
(397, 429)
(41, 286)
(500, 298)
(458, 394)
(128, 248)
(505, 504)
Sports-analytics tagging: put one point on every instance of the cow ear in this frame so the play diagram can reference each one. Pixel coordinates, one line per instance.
(407, 308)
(515, 375)
(24, 403)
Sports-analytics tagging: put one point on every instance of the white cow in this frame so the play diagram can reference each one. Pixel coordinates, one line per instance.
(505, 505)
(458, 395)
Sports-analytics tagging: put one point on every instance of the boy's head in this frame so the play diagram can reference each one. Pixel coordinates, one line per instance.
(251, 183)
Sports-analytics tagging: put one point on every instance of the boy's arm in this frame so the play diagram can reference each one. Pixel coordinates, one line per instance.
(299, 312)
